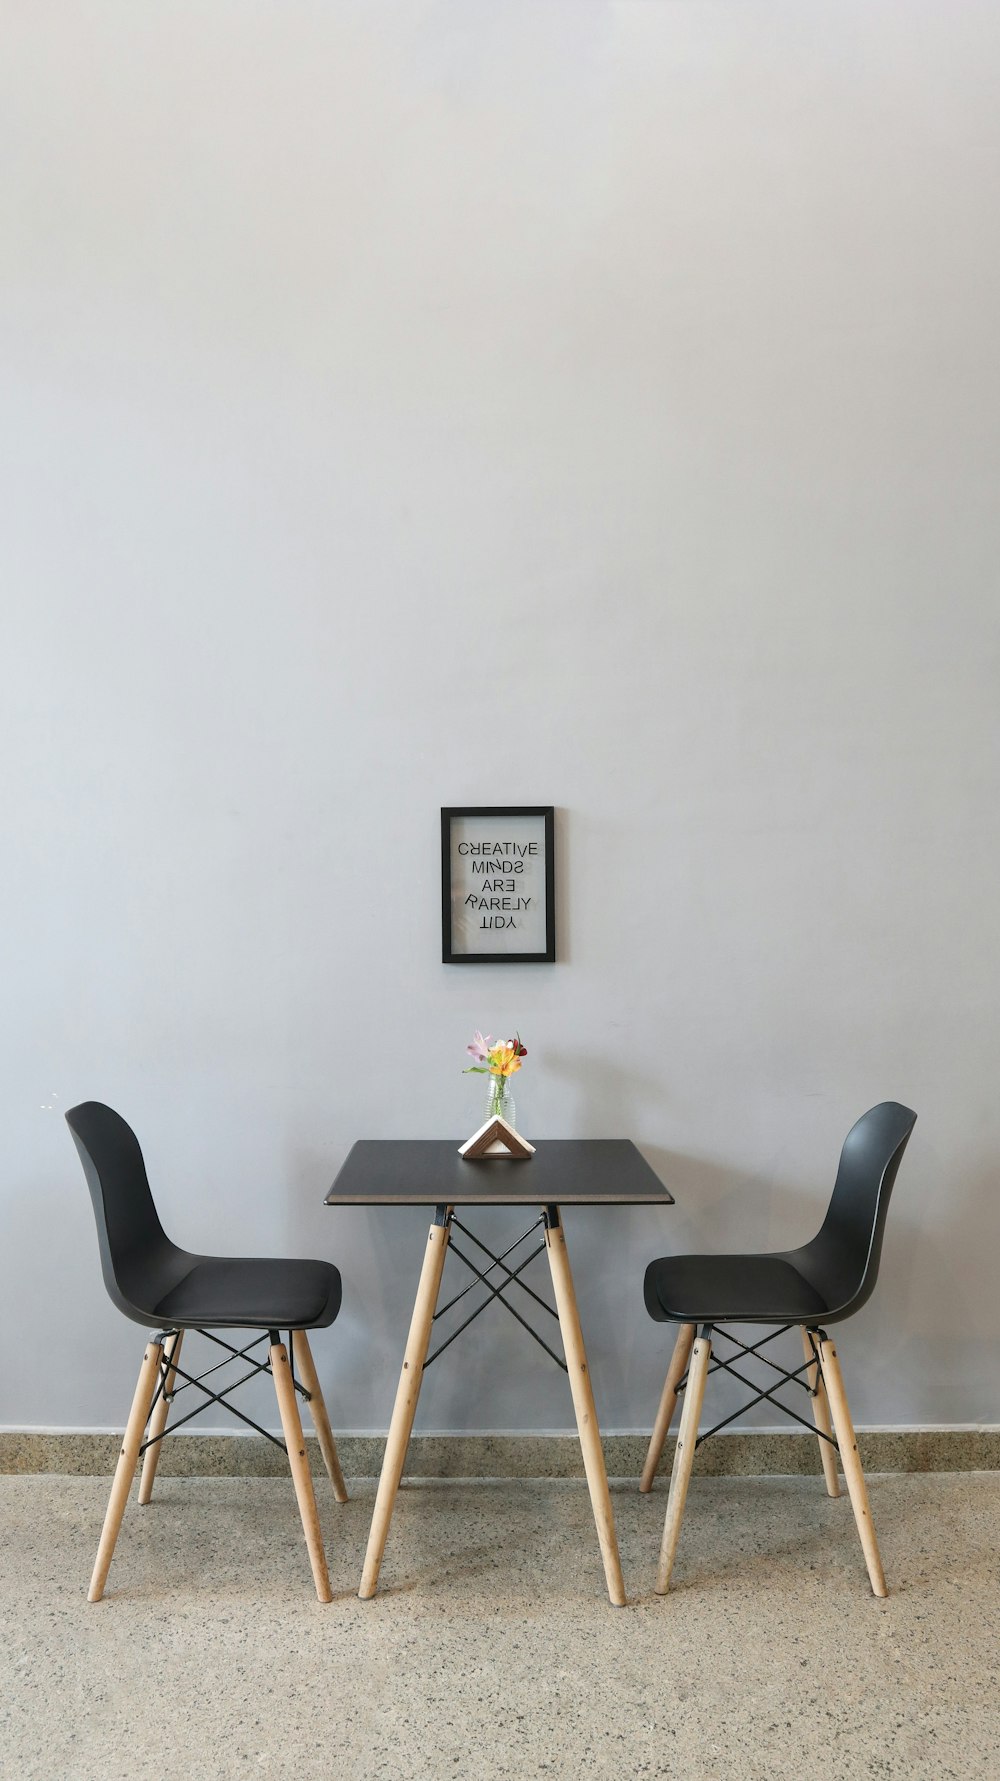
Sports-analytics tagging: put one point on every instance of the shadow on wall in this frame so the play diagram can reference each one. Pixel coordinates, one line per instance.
(896, 1357)
(719, 1210)
(716, 1209)
(950, 1270)
(946, 1264)
(942, 1262)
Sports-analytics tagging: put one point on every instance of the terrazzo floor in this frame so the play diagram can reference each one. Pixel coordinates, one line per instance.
(491, 1649)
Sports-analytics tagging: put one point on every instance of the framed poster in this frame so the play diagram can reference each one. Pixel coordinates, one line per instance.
(498, 894)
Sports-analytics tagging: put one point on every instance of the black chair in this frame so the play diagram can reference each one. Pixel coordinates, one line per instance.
(821, 1283)
(170, 1291)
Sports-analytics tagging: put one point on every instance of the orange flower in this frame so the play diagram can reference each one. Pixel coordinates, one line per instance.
(504, 1059)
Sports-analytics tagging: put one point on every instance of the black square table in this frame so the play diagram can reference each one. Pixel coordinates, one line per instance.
(562, 1172)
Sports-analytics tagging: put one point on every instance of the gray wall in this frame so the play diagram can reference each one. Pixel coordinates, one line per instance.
(586, 403)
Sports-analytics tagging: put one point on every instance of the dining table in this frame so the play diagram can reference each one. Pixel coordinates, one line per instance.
(562, 1172)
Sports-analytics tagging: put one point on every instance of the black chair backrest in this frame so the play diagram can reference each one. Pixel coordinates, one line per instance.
(138, 1260)
(843, 1260)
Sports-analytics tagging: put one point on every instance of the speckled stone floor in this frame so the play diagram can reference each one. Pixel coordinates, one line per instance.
(491, 1650)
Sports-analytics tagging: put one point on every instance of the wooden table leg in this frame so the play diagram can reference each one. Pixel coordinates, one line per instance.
(583, 1403)
(407, 1393)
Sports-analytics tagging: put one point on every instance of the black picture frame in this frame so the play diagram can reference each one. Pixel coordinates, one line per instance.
(500, 814)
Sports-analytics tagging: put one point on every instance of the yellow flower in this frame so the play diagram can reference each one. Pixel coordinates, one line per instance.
(504, 1060)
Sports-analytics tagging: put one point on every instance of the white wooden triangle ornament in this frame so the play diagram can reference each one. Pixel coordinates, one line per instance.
(496, 1138)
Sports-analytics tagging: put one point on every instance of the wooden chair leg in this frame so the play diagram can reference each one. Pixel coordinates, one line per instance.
(664, 1415)
(680, 1477)
(301, 1476)
(125, 1470)
(847, 1442)
(158, 1420)
(317, 1408)
(405, 1407)
(821, 1416)
(586, 1413)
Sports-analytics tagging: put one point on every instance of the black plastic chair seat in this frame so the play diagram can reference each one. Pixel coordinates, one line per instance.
(730, 1288)
(154, 1281)
(222, 1292)
(825, 1280)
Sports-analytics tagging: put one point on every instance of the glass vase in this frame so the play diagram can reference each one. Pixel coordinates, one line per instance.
(500, 1099)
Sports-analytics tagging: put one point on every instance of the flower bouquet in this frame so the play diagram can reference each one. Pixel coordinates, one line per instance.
(499, 1061)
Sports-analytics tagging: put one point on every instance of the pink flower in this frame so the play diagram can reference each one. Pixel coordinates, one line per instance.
(480, 1047)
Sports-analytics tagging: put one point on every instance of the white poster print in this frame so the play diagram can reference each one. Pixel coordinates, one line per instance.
(498, 884)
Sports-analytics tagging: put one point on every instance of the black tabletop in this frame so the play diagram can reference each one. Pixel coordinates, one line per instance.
(562, 1172)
